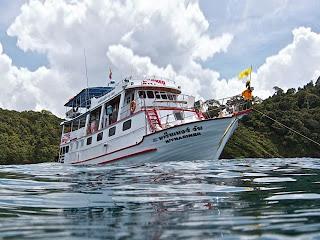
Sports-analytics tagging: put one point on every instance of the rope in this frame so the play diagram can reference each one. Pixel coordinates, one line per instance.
(285, 126)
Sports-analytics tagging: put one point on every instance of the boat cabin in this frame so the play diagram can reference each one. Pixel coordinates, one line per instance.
(132, 109)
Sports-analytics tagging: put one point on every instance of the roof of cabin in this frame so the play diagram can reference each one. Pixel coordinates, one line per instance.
(80, 99)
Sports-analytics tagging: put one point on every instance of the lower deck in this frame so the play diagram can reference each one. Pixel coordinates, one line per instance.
(126, 132)
(195, 140)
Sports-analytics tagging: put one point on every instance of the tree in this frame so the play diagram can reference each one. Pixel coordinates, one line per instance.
(278, 90)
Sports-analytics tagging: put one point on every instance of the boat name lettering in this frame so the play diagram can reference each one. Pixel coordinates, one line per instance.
(188, 131)
(183, 137)
(153, 82)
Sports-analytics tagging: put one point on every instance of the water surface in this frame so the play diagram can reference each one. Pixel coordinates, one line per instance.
(225, 199)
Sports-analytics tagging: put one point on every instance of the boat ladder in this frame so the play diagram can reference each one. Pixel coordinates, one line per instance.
(153, 119)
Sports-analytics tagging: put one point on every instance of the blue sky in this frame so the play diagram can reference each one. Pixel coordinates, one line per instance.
(203, 45)
(31, 60)
(265, 32)
(251, 46)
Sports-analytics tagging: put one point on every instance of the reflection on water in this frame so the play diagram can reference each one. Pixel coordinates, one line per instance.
(250, 198)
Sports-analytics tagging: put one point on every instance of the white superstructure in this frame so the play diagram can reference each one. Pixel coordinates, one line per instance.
(141, 120)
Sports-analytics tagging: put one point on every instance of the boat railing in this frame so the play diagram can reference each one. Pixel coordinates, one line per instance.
(211, 109)
(217, 108)
(177, 101)
(183, 102)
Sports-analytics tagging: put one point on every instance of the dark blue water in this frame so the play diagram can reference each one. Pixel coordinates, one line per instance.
(225, 199)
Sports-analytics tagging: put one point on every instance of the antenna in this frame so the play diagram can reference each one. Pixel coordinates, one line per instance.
(85, 65)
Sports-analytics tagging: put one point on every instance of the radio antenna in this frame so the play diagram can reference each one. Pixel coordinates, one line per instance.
(85, 65)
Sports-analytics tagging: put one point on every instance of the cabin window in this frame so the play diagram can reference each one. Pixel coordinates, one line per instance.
(67, 149)
(112, 131)
(89, 140)
(82, 122)
(128, 100)
(109, 109)
(99, 136)
(178, 115)
(142, 94)
(164, 95)
(113, 115)
(67, 128)
(75, 125)
(172, 97)
(150, 94)
(94, 120)
(157, 95)
(126, 125)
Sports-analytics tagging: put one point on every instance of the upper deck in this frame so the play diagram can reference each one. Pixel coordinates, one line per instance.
(98, 108)
(154, 83)
(93, 97)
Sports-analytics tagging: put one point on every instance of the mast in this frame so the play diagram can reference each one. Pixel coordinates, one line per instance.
(86, 69)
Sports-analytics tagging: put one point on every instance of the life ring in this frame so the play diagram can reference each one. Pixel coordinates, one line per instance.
(133, 106)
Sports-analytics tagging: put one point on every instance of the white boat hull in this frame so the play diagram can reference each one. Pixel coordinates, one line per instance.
(191, 141)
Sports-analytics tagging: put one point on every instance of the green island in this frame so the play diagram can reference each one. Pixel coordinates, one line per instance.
(33, 137)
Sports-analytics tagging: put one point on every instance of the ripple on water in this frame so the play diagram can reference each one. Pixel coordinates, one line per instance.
(273, 179)
(248, 199)
(301, 196)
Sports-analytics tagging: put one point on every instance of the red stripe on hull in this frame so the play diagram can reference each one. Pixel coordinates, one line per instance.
(247, 111)
(118, 158)
(129, 155)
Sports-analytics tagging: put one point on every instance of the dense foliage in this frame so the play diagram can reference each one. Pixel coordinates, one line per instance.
(32, 137)
(258, 136)
(28, 137)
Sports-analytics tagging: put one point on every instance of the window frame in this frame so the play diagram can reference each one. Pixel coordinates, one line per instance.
(152, 93)
(75, 125)
(164, 95)
(125, 128)
(143, 94)
(82, 122)
(89, 141)
(67, 126)
(99, 136)
(181, 113)
(157, 95)
(109, 131)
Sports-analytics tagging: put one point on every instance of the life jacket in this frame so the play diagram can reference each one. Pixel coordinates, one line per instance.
(247, 94)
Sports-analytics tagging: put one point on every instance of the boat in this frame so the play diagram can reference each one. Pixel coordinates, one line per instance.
(144, 119)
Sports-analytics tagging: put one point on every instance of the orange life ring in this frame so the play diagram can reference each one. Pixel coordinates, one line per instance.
(133, 106)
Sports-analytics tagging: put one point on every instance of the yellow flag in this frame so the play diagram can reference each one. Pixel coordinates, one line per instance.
(245, 73)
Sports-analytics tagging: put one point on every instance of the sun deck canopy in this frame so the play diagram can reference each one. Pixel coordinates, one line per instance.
(82, 99)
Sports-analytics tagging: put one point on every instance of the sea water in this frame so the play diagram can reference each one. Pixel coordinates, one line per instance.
(224, 199)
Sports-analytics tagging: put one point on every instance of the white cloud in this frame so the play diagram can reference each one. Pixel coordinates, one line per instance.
(294, 65)
(170, 38)
(22, 89)
(125, 58)
(137, 37)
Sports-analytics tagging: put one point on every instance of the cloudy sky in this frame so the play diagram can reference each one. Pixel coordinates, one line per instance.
(202, 44)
